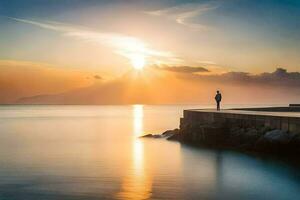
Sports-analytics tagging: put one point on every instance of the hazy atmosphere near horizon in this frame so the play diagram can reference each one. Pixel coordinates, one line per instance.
(149, 52)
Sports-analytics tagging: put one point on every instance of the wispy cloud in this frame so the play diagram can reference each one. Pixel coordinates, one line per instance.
(123, 45)
(182, 69)
(185, 14)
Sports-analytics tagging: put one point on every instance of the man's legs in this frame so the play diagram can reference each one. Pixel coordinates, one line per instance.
(218, 105)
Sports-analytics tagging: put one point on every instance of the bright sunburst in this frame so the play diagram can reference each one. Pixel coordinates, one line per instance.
(138, 61)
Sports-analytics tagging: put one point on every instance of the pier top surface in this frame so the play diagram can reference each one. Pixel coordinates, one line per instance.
(250, 112)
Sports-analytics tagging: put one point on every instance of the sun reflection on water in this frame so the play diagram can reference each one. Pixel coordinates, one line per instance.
(137, 184)
(138, 120)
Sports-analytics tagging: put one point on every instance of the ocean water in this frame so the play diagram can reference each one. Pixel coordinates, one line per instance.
(93, 152)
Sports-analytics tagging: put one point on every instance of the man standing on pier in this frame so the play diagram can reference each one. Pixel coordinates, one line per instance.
(218, 99)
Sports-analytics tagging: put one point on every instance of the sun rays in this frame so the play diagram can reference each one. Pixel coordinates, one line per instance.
(138, 52)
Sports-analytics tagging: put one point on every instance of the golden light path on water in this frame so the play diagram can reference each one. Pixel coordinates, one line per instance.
(137, 184)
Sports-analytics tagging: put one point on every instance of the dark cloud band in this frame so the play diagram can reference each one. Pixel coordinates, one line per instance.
(183, 69)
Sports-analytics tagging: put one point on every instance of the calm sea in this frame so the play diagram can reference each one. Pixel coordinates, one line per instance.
(93, 152)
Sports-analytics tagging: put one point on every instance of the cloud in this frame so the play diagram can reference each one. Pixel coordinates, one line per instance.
(207, 62)
(123, 45)
(185, 14)
(183, 69)
(279, 78)
(98, 77)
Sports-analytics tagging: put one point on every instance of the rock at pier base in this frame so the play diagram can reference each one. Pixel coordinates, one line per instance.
(251, 139)
(169, 134)
(151, 136)
(275, 141)
(262, 139)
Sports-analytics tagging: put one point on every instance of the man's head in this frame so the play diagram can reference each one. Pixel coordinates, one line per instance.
(218, 91)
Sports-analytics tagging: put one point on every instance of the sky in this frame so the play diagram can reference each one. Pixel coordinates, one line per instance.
(141, 51)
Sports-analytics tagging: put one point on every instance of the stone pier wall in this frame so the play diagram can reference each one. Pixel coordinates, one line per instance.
(290, 124)
(242, 130)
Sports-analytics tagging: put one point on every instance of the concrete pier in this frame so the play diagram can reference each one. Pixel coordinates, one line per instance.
(268, 130)
(283, 118)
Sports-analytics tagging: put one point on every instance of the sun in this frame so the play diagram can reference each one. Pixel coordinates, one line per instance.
(138, 61)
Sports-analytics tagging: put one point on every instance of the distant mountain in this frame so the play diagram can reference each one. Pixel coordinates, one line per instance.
(153, 87)
(131, 88)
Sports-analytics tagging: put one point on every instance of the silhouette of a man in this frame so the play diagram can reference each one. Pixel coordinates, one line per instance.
(218, 99)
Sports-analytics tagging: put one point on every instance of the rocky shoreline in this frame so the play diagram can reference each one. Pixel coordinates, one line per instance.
(262, 140)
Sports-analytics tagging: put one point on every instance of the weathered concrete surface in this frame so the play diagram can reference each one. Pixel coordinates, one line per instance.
(260, 131)
(291, 108)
